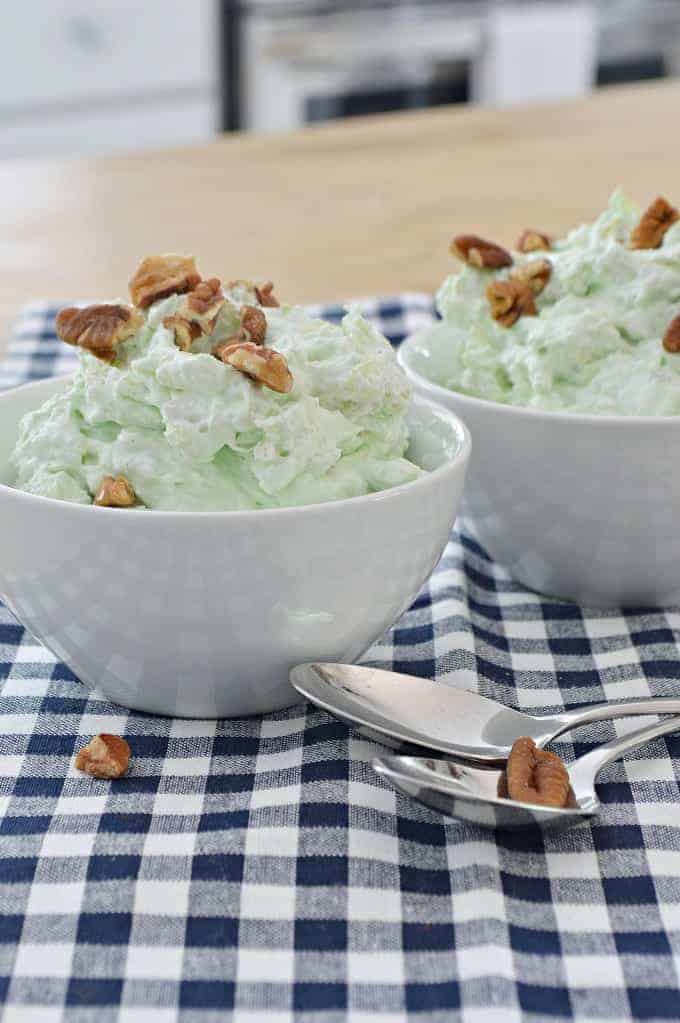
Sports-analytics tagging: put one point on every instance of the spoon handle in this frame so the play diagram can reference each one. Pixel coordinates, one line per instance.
(607, 711)
(584, 770)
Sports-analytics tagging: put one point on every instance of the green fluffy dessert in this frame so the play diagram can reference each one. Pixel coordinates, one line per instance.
(599, 339)
(188, 430)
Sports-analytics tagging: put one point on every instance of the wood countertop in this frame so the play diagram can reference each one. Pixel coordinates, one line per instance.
(353, 208)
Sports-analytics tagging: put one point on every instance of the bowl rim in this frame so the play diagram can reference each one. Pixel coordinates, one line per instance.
(441, 395)
(452, 465)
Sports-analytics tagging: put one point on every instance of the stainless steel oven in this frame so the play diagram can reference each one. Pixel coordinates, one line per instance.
(291, 62)
(302, 62)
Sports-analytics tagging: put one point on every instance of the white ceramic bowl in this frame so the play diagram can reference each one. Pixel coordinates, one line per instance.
(582, 507)
(202, 615)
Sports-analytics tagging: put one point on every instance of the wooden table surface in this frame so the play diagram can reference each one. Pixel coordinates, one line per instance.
(348, 209)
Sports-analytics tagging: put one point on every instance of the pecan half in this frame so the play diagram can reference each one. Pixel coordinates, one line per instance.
(99, 329)
(533, 241)
(159, 276)
(265, 365)
(671, 338)
(115, 493)
(264, 293)
(509, 300)
(653, 225)
(536, 274)
(105, 756)
(534, 775)
(480, 253)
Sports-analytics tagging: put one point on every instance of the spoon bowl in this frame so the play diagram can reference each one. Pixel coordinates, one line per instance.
(399, 708)
(469, 792)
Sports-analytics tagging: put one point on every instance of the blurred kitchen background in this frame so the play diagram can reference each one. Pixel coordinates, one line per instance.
(86, 76)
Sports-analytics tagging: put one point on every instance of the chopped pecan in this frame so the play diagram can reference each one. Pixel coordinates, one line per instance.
(653, 225)
(99, 329)
(253, 325)
(509, 300)
(240, 284)
(197, 313)
(264, 293)
(115, 493)
(671, 338)
(535, 775)
(105, 756)
(265, 365)
(533, 241)
(204, 302)
(186, 332)
(248, 291)
(536, 274)
(159, 276)
(480, 253)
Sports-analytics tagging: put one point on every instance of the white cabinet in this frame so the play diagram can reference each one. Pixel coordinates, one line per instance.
(97, 129)
(87, 75)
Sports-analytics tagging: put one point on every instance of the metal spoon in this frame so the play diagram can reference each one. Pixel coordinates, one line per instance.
(471, 793)
(403, 708)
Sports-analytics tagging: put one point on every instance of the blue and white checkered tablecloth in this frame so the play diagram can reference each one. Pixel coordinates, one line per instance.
(257, 870)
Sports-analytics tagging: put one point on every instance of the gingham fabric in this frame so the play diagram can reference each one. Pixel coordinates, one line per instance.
(257, 870)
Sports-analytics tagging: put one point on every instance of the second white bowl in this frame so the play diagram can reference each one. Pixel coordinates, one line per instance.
(582, 507)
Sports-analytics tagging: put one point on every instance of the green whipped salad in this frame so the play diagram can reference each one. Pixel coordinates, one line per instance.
(189, 432)
(595, 345)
